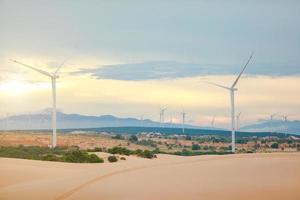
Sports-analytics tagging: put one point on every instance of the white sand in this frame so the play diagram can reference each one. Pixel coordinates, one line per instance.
(252, 176)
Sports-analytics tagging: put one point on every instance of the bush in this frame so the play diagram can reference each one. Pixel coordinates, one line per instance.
(51, 157)
(76, 156)
(133, 138)
(93, 158)
(98, 149)
(145, 153)
(73, 155)
(122, 158)
(188, 137)
(185, 152)
(195, 147)
(119, 150)
(274, 145)
(112, 159)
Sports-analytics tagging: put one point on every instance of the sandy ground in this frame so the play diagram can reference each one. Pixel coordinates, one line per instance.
(83, 141)
(250, 176)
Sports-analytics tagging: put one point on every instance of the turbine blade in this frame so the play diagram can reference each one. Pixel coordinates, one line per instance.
(59, 67)
(33, 68)
(239, 76)
(218, 85)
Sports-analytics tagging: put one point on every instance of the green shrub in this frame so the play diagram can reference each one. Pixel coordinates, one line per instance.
(120, 150)
(145, 153)
(55, 154)
(76, 156)
(133, 138)
(274, 145)
(195, 147)
(93, 158)
(51, 157)
(112, 159)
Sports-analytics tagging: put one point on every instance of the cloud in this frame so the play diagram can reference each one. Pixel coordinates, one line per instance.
(172, 70)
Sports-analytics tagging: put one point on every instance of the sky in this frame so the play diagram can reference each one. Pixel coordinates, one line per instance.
(129, 58)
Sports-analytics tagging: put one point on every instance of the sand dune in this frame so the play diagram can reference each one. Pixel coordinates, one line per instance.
(251, 176)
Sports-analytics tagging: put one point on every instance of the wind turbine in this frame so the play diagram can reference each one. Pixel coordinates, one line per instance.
(171, 120)
(162, 116)
(231, 90)
(141, 120)
(285, 119)
(271, 121)
(272, 116)
(238, 120)
(183, 120)
(53, 77)
(213, 122)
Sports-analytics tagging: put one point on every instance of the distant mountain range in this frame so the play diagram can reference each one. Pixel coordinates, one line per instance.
(280, 126)
(42, 120)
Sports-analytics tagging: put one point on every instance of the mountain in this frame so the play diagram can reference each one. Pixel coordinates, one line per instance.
(42, 120)
(292, 127)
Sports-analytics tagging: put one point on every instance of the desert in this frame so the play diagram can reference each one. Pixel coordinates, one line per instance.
(239, 176)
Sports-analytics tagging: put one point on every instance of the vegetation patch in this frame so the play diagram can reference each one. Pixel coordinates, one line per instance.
(112, 159)
(185, 152)
(72, 155)
(127, 152)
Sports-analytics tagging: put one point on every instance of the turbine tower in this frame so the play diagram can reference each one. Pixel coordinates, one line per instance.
(231, 90)
(183, 120)
(53, 77)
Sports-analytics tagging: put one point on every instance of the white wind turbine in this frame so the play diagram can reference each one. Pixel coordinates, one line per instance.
(285, 120)
(142, 120)
(271, 121)
(183, 119)
(162, 116)
(213, 122)
(231, 90)
(53, 77)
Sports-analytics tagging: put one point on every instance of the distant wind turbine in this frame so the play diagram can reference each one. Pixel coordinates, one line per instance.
(183, 120)
(53, 77)
(171, 120)
(231, 90)
(272, 116)
(213, 122)
(162, 116)
(285, 119)
(141, 120)
(271, 121)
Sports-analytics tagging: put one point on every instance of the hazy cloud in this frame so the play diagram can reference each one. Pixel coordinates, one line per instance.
(169, 70)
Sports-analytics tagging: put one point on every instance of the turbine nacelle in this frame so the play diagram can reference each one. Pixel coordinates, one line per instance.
(55, 76)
